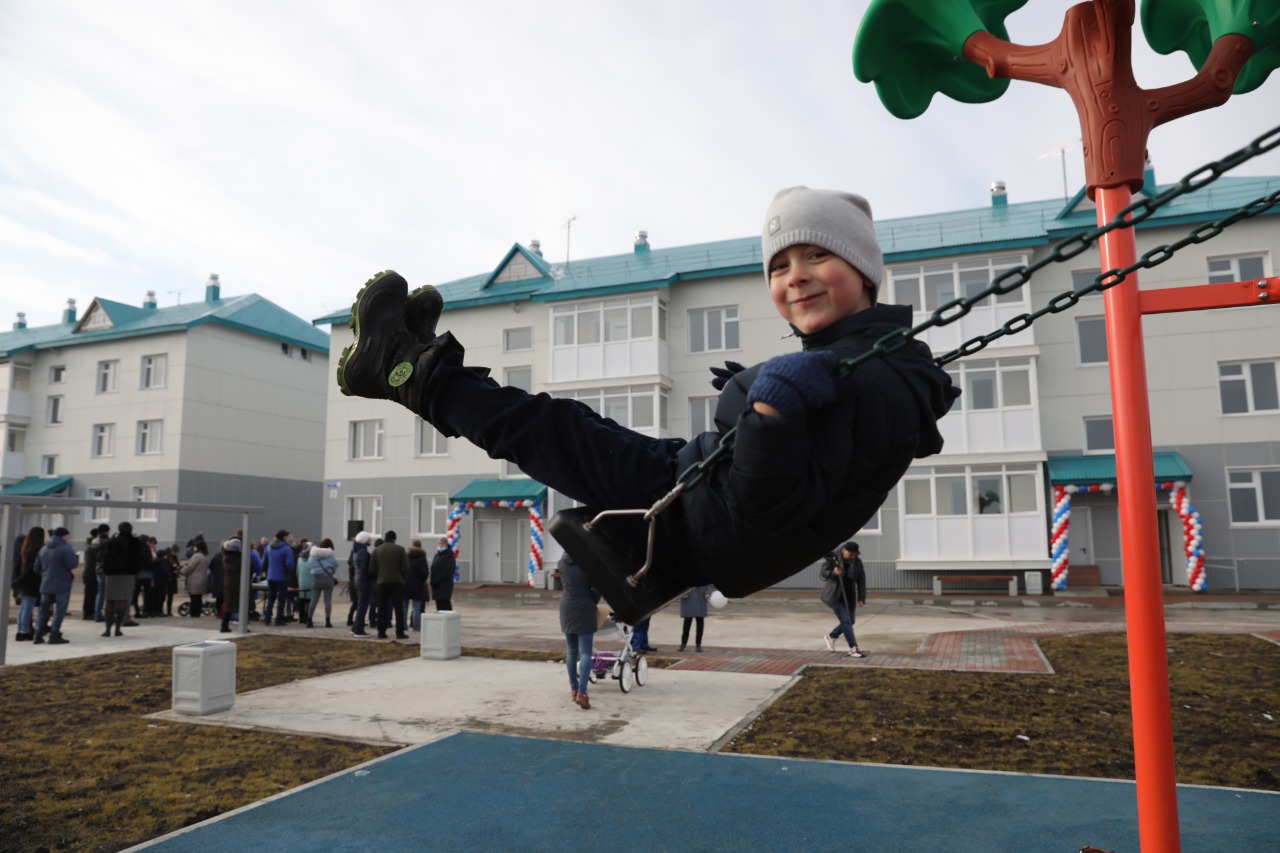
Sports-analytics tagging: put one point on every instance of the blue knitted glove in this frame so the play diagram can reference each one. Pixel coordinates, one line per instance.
(724, 374)
(796, 382)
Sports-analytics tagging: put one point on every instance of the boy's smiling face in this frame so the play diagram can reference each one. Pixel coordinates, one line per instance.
(812, 287)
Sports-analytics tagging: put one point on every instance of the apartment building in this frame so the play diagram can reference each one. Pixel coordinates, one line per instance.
(215, 402)
(634, 335)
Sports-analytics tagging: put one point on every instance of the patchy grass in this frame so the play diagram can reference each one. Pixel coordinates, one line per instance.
(1225, 692)
(83, 769)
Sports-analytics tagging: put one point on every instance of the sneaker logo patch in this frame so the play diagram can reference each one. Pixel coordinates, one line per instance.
(400, 374)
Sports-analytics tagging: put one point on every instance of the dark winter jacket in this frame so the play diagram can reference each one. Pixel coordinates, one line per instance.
(849, 588)
(578, 604)
(443, 565)
(124, 555)
(28, 580)
(360, 555)
(797, 487)
(280, 560)
(388, 563)
(415, 582)
(693, 604)
(55, 563)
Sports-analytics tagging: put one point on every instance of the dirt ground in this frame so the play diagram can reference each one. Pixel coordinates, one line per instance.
(84, 769)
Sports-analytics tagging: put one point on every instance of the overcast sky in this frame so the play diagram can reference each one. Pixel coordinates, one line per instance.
(295, 148)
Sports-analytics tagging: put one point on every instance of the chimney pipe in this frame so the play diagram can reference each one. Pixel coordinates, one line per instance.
(69, 315)
(999, 197)
(150, 301)
(535, 246)
(21, 322)
(642, 242)
(213, 288)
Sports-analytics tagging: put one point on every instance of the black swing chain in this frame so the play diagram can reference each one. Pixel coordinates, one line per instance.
(1014, 278)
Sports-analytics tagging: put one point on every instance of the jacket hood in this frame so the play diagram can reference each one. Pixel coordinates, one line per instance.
(277, 544)
(318, 551)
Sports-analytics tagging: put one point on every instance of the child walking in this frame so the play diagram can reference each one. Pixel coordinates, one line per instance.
(814, 457)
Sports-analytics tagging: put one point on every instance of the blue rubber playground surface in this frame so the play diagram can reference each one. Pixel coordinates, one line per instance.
(497, 793)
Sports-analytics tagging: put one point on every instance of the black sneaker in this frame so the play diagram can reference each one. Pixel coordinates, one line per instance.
(57, 640)
(422, 312)
(384, 351)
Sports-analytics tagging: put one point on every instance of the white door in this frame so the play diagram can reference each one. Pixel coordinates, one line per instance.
(488, 551)
(1080, 537)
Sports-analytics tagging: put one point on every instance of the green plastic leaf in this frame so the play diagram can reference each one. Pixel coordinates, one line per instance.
(914, 49)
(1194, 25)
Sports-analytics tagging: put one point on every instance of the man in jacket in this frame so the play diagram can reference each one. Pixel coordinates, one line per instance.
(443, 566)
(389, 565)
(363, 582)
(92, 547)
(280, 567)
(844, 589)
(55, 563)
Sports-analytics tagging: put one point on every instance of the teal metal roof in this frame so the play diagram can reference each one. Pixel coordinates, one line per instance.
(252, 314)
(37, 486)
(501, 490)
(1088, 470)
(988, 229)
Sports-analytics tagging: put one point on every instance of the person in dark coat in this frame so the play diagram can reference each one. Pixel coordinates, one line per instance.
(578, 622)
(389, 564)
(443, 566)
(123, 556)
(416, 587)
(844, 589)
(26, 582)
(91, 559)
(816, 449)
(365, 587)
(693, 608)
(232, 568)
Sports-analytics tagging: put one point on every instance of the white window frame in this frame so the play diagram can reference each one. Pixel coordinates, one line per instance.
(928, 286)
(150, 438)
(1080, 342)
(148, 494)
(360, 433)
(1229, 267)
(1268, 515)
(1251, 378)
(519, 376)
(1003, 372)
(286, 350)
(930, 483)
(374, 524)
(106, 378)
(715, 329)
(621, 404)
(103, 441)
(1084, 429)
(1080, 279)
(19, 377)
(429, 441)
(153, 371)
(98, 513)
(15, 440)
(49, 465)
(517, 339)
(437, 506)
(53, 414)
(57, 374)
(304, 353)
(702, 414)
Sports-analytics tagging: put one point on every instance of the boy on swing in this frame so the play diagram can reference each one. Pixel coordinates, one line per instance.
(813, 460)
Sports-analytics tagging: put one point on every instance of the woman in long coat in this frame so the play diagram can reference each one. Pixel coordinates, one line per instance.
(578, 622)
(27, 583)
(693, 606)
(196, 576)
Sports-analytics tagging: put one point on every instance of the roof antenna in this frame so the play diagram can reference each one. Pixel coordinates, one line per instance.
(1062, 152)
(568, 227)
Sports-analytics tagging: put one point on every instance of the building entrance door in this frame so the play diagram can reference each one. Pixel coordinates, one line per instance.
(488, 550)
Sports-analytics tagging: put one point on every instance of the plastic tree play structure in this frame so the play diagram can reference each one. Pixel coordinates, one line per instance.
(913, 49)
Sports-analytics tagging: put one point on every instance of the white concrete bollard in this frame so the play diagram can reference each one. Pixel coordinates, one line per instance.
(442, 635)
(204, 677)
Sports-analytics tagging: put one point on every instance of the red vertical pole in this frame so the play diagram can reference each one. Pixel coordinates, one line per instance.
(1139, 545)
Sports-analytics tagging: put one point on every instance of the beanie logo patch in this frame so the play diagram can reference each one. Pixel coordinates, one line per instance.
(775, 225)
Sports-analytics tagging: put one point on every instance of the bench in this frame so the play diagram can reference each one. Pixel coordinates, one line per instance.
(939, 580)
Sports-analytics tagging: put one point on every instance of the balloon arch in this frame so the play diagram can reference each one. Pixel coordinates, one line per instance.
(460, 508)
(1192, 529)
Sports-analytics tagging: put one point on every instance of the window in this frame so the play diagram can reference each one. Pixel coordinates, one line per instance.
(430, 515)
(107, 377)
(930, 286)
(519, 377)
(1238, 268)
(285, 350)
(366, 440)
(713, 329)
(366, 509)
(304, 353)
(950, 496)
(975, 490)
(15, 440)
(104, 440)
(48, 466)
(1099, 435)
(1080, 279)
(146, 494)
(1254, 496)
(149, 435)
(429, 441)
(57, 374)
(517, 339)
(21, 377)
(591, 323)
(53, 411)
(990, 385)
(872, 525)
(154, 368)
(99, 513)
(702, 413)
(1248, 386)
(1092, 333)
(635, 407)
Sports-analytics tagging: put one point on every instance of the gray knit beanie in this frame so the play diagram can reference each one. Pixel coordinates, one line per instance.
(837, 221)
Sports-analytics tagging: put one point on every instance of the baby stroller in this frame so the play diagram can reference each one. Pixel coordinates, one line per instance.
(629, 667)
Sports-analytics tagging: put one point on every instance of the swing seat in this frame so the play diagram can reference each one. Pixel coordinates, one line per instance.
(608, 558)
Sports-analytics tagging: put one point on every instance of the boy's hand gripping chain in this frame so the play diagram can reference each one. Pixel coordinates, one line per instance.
(1006, 282)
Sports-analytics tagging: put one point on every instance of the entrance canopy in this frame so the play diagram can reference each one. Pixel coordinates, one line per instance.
(501, 490)
(37, 486)
(1088, 470)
